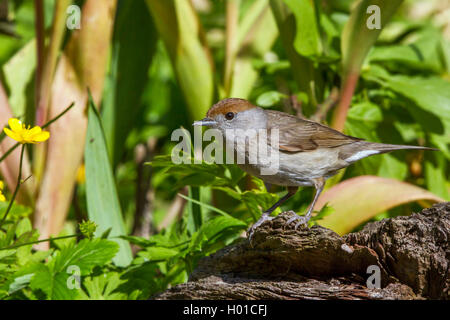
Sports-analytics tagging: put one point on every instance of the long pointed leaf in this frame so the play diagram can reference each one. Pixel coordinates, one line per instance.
(134, 43)
(179, 26)
(101, 193)
(206, 206)
(258, 40)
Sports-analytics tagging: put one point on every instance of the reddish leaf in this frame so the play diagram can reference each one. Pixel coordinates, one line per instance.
(359, 199)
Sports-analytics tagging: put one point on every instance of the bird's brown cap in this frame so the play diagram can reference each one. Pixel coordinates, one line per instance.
(229, 105)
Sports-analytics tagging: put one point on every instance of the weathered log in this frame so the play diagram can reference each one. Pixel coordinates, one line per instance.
(412, 254)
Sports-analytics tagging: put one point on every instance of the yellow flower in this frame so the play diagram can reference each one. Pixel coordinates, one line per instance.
(81, 174)
(2, 197)
(23, 134)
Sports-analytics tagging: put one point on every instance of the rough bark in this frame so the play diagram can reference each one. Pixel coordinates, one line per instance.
(282, 263)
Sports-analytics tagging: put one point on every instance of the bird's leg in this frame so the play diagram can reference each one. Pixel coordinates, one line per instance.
(318, 184)
(266, 214)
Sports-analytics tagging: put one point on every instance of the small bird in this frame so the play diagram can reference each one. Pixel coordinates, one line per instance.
(308, 152)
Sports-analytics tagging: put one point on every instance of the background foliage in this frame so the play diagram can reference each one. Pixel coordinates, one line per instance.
(154, 66)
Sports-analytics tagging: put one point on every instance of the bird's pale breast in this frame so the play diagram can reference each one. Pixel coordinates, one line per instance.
(297, 168)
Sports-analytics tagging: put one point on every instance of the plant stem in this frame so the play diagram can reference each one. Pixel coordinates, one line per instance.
(49, 59)
(40, 41)
(348, 88)
(17, 186)
(58, 116)
(39, 241)
(46, 66)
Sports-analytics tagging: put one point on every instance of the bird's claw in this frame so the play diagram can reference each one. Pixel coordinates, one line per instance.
(265, 217)
(302, 220)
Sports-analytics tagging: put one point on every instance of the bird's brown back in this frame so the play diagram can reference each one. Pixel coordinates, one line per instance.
(296, 135)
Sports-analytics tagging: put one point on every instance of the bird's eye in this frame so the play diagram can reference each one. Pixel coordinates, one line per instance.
(229, 115)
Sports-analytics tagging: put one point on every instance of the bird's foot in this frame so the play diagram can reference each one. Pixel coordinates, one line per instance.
(302, 220)
(265, 217)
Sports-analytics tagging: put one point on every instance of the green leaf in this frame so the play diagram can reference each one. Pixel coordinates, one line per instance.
(257, 201)
(103, 287)
(86, 255)
(391, 167)
(21, 278)
(201, 174)
(326, 210)
(138, 241)
(53, 285)
(270, 98)
(53, 278)
(302, 67)
(43, 280)
(195, 212)
(196, 179)
(179, 27)
(212, 228)
(20, 283)
(23, 226)
(101, 194)
(357, 38)
(236, 173)
(257, 32)
(229, 191)
(431, 97)
(435, 168)
(7, 253)
(205, 205)
(17, 211)
(134, 43)
(158, 253)
(18, 72)
(365, 111)
(158, 240)
(423, 54)
(26, 237)
(432, 94)
(186, 168)
(446, 53)
(105, 234)
(26, 256)
(307, 39)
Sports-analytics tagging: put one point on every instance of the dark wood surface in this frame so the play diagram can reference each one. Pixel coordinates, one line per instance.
(412, 253)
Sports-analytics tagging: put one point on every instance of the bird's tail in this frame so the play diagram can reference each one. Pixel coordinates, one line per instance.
(363, 149)
(382, 147)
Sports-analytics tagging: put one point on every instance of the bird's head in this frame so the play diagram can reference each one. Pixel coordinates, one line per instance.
(234, 113)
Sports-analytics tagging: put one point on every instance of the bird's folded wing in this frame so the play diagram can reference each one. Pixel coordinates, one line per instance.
(296, 135)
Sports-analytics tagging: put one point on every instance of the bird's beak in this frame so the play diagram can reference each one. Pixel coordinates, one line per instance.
(205, 122)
